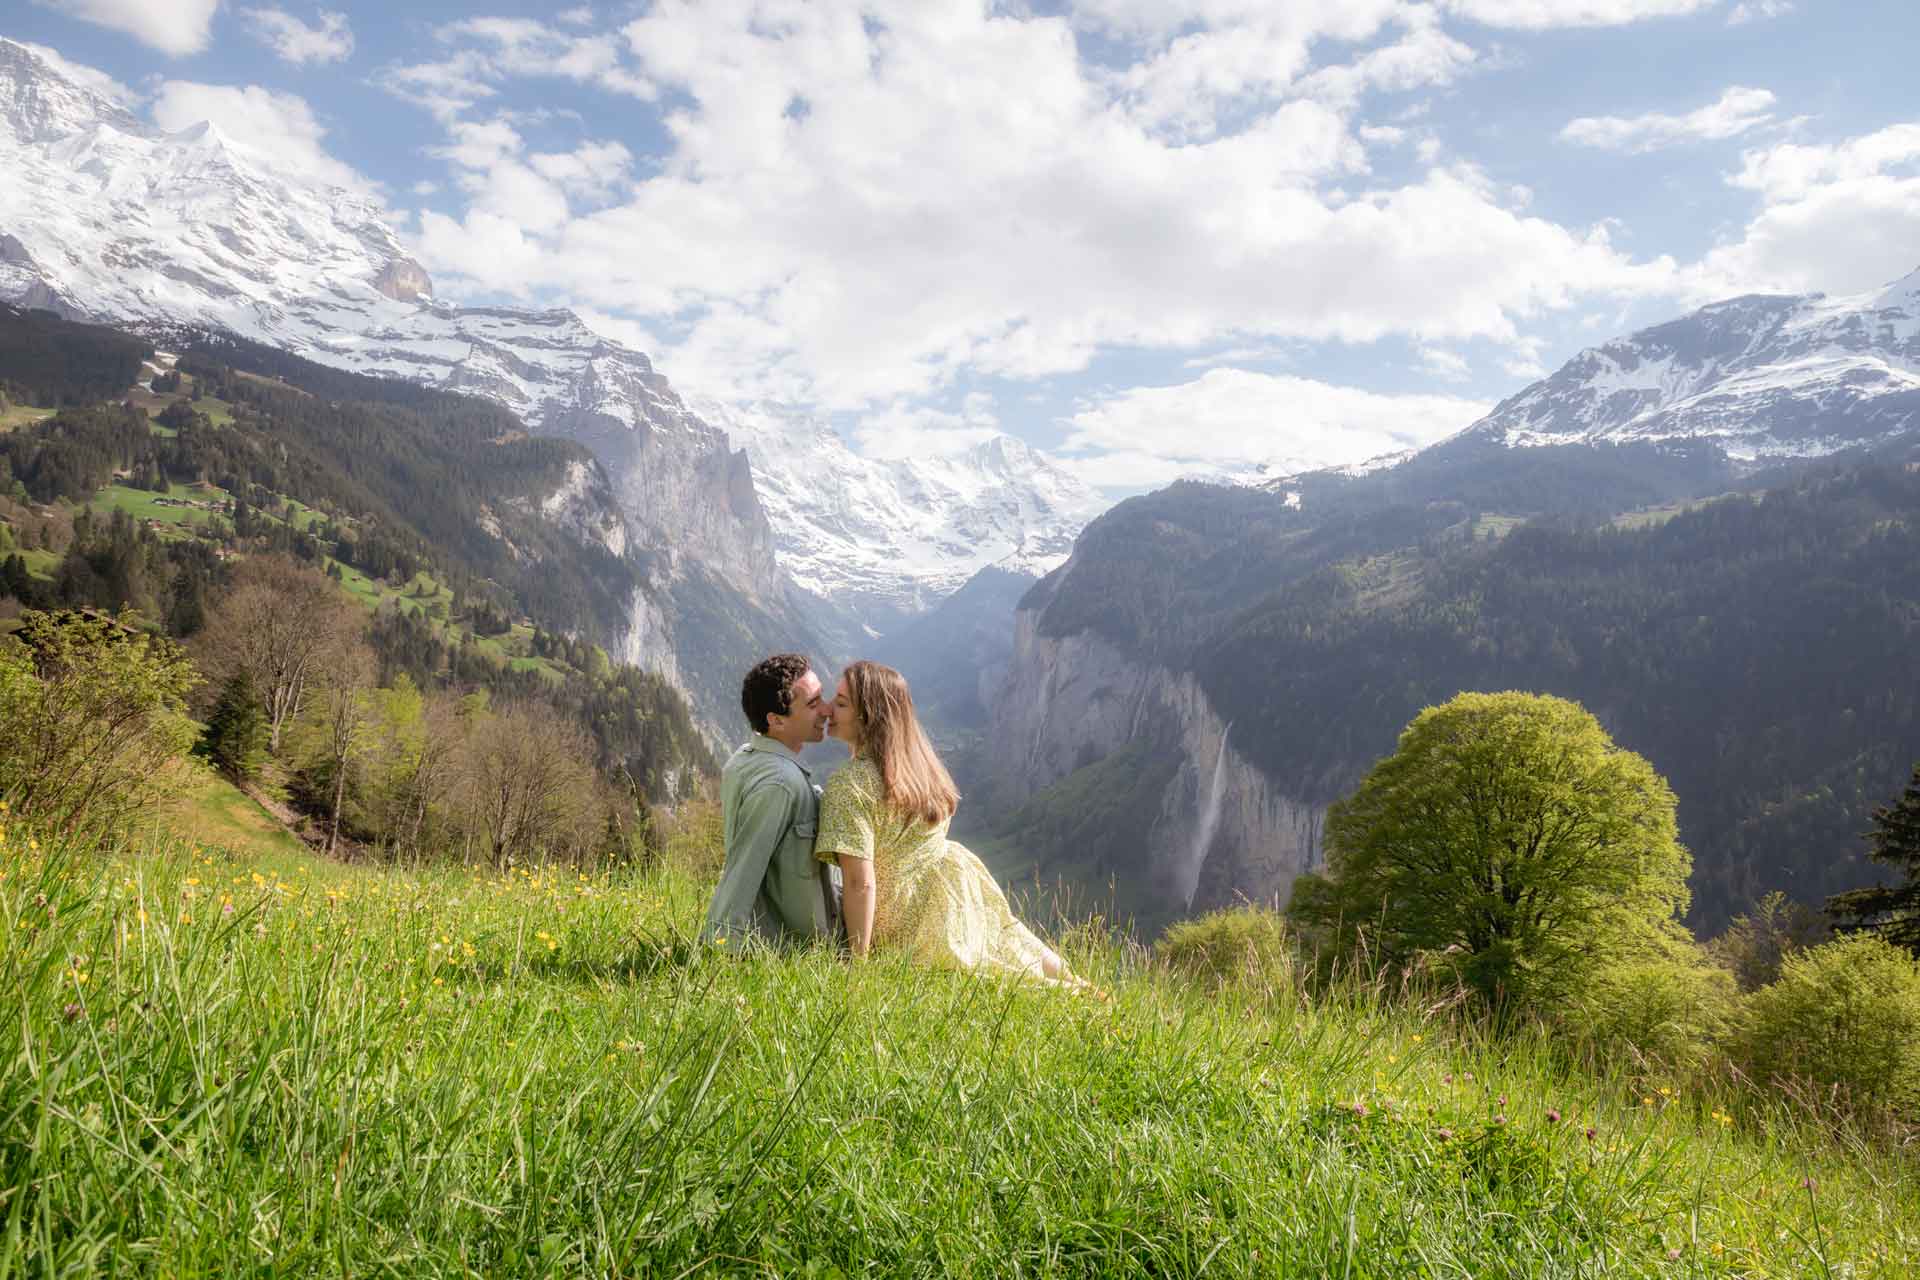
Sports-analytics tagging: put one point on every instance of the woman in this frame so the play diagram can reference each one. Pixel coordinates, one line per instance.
(884, 818)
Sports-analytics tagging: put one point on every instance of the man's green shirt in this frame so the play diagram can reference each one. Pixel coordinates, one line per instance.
(771, 887)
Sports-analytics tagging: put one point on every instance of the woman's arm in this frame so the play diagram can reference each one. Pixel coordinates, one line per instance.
(856, 901)
(847, 837)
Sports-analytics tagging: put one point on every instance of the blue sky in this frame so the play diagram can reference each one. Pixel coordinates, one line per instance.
(1155, 236)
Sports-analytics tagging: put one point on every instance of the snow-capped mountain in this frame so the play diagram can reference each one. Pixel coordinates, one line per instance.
(893, 536)
(1762, 376)
(105, 217)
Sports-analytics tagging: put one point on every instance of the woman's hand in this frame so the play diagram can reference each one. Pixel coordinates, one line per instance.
(856, 902)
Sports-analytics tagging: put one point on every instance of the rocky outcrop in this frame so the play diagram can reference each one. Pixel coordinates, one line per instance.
(1068, 702)
(404, 280)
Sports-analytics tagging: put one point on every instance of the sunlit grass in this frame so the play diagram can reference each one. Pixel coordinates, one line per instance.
(222, 1064)
(22, 415)
(211, 811)
(143, 504)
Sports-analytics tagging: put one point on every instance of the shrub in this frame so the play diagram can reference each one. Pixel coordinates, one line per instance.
(92, 714)
(1235, 944)
(1669, 1003)
(1845, 1014)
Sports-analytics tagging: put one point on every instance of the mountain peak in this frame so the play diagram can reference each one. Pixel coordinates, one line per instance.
(1903, 291)
(1763, 376)
(43, 97)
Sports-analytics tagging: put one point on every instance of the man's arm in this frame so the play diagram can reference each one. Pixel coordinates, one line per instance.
(760, 820)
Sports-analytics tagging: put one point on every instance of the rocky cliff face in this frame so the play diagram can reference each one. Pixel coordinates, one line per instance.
(1223, 831)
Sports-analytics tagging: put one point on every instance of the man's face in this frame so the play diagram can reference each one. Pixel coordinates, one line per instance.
(807, 722)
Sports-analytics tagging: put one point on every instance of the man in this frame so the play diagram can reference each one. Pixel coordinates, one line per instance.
(771, 887)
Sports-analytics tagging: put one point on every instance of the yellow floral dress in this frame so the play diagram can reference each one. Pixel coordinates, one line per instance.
(933, 898)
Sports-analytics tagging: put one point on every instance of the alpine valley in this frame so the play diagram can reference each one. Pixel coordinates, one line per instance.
(1708, 532)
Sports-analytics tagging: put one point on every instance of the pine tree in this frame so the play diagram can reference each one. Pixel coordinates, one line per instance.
(236, 734)
(1892, 911)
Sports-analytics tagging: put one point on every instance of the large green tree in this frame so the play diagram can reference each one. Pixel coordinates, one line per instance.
(1892, 911)
(1508, 839)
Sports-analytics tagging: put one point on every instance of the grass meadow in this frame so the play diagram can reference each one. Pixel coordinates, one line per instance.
(219, 1064)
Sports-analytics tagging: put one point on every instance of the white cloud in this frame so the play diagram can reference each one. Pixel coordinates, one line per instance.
(1523, 355)
(485, 52)
(1206, 58)
(296, 42)
(1231, 421)
(535, 193)
(853, 215)
(1441, 363)
(1540, 15)
(1737, 111)
(1425, 57)
(593, 171)
(1838, 218)
(174, 27)
(279, 129)
(1756, 10)
(86, 77)
(1792, 170)
(1274, 354)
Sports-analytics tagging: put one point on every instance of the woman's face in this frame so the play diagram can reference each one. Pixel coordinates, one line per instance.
(842, 724)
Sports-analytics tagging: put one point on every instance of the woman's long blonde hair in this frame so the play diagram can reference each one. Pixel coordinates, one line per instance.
(889, 733)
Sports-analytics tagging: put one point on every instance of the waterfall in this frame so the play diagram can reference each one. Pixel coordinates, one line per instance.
(1209, 817)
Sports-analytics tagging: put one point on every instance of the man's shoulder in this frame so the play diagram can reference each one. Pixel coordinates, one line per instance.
(749, 767)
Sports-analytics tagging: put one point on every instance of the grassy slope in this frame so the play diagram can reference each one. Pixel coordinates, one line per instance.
(142, 504)
(20, 415)
(213, 813)
(423, 595)
(217, 1067)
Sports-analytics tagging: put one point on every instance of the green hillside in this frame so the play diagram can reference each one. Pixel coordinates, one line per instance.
(416, 503)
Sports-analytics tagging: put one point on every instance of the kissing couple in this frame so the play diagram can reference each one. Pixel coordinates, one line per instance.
(880, 824)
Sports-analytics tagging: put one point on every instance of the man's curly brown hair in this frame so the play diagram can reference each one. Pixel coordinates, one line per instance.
(768, 688)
